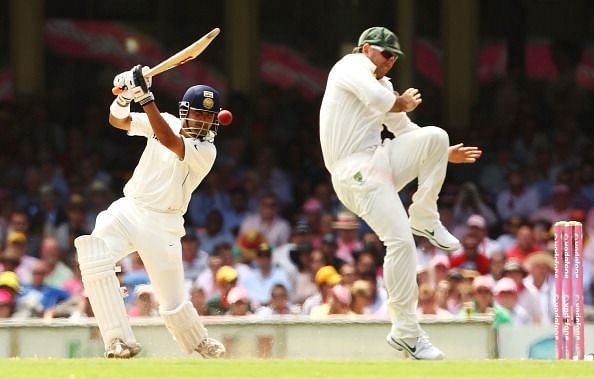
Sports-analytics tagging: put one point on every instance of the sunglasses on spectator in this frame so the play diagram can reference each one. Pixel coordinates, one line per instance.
(385, 53)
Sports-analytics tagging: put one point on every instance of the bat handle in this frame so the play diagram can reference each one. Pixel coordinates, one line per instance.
(116, 91)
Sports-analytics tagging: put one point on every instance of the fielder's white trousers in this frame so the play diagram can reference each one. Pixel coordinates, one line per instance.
(368, 183)
(127, 227)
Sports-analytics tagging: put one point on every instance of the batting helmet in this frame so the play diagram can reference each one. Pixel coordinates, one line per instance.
(200, 98)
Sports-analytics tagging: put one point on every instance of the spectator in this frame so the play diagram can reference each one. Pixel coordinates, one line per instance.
(428, 304)
(482, 303)
(100, 197)
(329, 249)
(19, 222)
(134, 276)
(12, 259)
(516, 199)
(7, 303)
(506, 296)
(378, 294)
(349, 274)
(194, 258)
(540, 267)
(226, 279)
(497, 265)
(75, 224)
(239, 302)
(198, 300)
(469, 257)
(361, 293)
(426, 251)
(10, 281)
(507, 239)
(312, 210)
(559, 208)
(213, 233)
(282, 256)
(438, 269)
(302, 283)
(469, 203)
(209, 195)
(275, 229)
(39, 299)
(263, 277)
(279, 303)
(452, 291)
(477, 226)
(541, 232)
(207, 279)
(247, 245)
(51, 214)
(145, 304)
(326, 277)
(346, 226)
(236, 213)
(52, 255)
(524, 244)
(338, 303)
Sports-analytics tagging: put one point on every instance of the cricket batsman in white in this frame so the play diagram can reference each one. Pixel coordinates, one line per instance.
(367, 174)
(179, 153)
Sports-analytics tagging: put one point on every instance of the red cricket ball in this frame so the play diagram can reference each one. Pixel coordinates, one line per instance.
(225, 117)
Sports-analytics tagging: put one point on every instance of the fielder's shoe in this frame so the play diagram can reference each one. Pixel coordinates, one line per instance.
(119, 349)
(211, 348)
(419, 348)
(439, 236)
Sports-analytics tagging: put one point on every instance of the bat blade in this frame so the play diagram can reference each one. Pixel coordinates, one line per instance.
(184, 55)
(180, 57)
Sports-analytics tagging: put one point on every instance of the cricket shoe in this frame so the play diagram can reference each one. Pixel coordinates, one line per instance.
(211, 348)
(439, 236)
(122, 350)
(420, 348)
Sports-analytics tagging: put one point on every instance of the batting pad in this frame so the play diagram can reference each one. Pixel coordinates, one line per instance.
(185, 326)
(103, 289)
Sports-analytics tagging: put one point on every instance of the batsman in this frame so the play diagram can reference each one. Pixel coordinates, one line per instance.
(179, 153)
(367, 174)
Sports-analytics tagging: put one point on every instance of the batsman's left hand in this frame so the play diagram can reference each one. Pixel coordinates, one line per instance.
(463, 154)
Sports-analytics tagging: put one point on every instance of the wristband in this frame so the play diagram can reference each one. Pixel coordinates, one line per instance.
(118, 111)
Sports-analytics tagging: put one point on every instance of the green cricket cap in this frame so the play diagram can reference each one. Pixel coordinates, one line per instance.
(382, 37)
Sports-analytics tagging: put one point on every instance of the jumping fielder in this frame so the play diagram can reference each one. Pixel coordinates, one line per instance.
(149, 218)
(367, 174)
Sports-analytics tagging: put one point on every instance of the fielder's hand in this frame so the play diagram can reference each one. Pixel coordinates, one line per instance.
(463, 154)
(409, 100)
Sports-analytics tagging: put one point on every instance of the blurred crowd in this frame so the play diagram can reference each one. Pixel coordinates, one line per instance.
(265, 233)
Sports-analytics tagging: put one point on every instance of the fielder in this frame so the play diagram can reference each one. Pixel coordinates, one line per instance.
(149, 218)
(367, 174)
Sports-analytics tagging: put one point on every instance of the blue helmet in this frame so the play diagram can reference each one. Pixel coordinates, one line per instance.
(204, 99)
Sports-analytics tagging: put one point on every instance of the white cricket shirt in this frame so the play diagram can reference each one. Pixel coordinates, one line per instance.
(354, 107)
(161, 181)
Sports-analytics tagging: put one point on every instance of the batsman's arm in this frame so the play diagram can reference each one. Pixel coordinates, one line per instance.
(164, 133)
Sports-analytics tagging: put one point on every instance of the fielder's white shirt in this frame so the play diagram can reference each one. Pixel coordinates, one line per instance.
(161, 181)
(354, 107)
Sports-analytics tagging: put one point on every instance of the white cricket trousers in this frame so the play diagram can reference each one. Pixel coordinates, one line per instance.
(127, 227)
(368, 183)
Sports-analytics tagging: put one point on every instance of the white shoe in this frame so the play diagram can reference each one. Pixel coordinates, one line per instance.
(122, 350)
(439, 236)
(421, 348)
(211, 348)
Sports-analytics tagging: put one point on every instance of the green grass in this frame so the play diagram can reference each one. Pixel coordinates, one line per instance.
(277, 369)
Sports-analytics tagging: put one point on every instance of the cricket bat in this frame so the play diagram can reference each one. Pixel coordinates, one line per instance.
(180, 57)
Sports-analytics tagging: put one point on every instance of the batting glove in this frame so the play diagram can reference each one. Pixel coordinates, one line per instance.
(141, 86)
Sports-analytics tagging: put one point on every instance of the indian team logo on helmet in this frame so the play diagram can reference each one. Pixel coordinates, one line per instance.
(208, 101)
